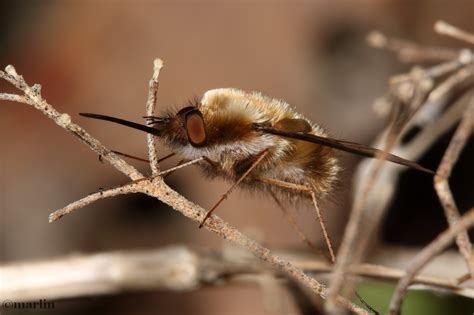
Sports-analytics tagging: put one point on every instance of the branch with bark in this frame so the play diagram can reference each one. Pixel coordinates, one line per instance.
(179, 268)
(432, 99)
(155, 186)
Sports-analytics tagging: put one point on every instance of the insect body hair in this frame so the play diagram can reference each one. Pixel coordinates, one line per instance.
(229, 115)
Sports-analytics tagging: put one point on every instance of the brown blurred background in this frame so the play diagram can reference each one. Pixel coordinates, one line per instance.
(96, 56)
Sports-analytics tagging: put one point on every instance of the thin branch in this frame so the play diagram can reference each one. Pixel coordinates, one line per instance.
(443, 94)
(174, 268)
(408, 51)
(150, 111)
(81, 203)
(157, 188)
(463, 278)
(441, 183)
(417, 74)
(432, 132)
(129, 188)
(64, 120)
(355, 239)
(425, 256)
(443, 28)
(380, 197)
(352, 233)
(13, 98)
(409, 95)
(164, 193)
(415, 100)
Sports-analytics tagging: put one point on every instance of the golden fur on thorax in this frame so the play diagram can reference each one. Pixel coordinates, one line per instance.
(233, 144)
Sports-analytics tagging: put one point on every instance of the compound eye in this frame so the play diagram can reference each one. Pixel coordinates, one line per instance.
(195, 129)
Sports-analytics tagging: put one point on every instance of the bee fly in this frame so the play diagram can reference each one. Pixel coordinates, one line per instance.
(257, 142)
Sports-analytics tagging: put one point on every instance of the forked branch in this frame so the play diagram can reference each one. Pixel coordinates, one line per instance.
(156, 187)
(417, 99)
(426, 255)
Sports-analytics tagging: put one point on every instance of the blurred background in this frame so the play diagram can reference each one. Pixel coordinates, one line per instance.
(96, 56)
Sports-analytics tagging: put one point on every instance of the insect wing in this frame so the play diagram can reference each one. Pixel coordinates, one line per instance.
(346, 146)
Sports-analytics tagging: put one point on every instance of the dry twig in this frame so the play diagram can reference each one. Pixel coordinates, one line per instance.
(174, 268)
(441, 183)
(410, 95)
(407, 51)
(441, 27)
(427, 98)
(150, 110)
(157, 188)
(425, 256)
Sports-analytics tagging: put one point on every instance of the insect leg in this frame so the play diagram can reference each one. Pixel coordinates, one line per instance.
(180, 166)
(142, 159)
(292, 221)
(323, 226)
(310, 191)
(211, 162)
(261, 156)
(180, 162)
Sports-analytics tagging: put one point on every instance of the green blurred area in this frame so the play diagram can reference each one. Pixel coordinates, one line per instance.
(417, 302)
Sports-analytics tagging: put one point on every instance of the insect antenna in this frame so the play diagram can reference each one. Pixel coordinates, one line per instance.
(154, 120)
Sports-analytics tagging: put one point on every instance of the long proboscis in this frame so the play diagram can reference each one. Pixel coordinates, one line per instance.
(124, 122)
(346, 146)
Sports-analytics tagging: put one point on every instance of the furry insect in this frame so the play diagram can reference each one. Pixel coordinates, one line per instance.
(255, 141)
